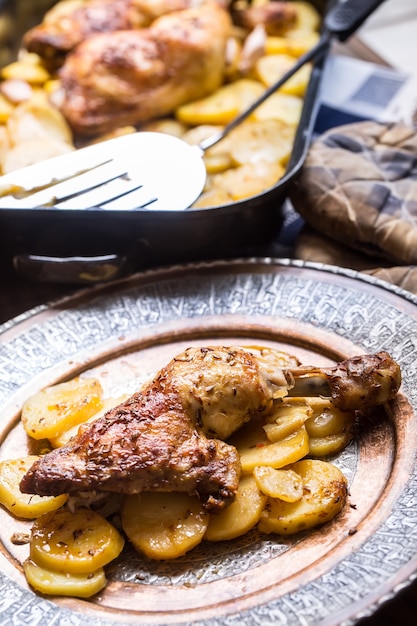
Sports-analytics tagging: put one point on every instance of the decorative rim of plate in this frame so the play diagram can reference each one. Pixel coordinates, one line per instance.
(153, 275)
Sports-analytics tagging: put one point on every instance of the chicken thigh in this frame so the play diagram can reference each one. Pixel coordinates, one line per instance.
(157, 440)
(131, 76)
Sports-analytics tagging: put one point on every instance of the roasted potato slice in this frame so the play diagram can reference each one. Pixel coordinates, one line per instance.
(272, 67)
(33, 151)
(284, 484)
(324, 496)
(247, 180)
(6, 108)
(296, 42)
(212, 198)
(223, 105)
(255, 448)
(242, 515)
(164, 525)
(36, 119)
(286, 418)
(326, 419)
(330, 430)
(51, 582)
(329, 445)
(28, 69)
(27, 506)
(16, 90)
(282, 107)
(266, 141)
(65, 436)
(308, 18)
(165, 125)
(52, 411)
(216, 159)
(78, 543)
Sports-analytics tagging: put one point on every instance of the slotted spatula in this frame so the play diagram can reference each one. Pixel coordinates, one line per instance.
(149, 170)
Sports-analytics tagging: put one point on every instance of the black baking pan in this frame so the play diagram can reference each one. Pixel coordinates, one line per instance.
(43, 241)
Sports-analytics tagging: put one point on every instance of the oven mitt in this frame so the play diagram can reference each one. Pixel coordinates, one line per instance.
(312, 246)
(357, 193)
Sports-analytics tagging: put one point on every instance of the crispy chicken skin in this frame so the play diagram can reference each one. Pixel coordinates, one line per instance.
(70, 22)
(128, 77)
(168, 436)
(157, 439)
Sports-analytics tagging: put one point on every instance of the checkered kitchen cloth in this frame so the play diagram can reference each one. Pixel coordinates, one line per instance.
(357, 193)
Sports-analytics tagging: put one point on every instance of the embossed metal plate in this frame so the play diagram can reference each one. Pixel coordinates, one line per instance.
(123, 333)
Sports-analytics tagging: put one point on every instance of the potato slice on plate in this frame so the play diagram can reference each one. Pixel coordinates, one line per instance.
(329, 445)
(272, 67)
(16, 90)
(78, 543)
(284, 484)
(65, 436)
(255, 448)
(51, 582)
(240, 516)
(326, 419)
(330, 430)
(164, 525)
(285, 419)
(324, 496)
(52, 411)
(24, 505)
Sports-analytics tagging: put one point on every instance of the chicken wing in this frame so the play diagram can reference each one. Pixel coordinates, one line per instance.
(167, 436)
(70, 22)
(128, 77)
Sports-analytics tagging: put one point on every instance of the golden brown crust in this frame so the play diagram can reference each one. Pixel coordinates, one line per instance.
(70, 22)
(129, 77)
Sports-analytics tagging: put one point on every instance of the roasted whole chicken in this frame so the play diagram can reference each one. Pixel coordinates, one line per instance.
(70, 22)
(125, 62)
(128, 77)
(169, 435)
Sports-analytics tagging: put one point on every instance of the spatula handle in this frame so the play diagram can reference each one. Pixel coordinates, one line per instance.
(345, 17)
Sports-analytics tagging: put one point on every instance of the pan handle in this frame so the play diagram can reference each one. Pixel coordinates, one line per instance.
(76, 270)
(345, 17)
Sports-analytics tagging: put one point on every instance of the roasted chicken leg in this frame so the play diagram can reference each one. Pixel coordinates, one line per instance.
(131, 76)
(358, 383)
(158, 439)
(166, 437)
